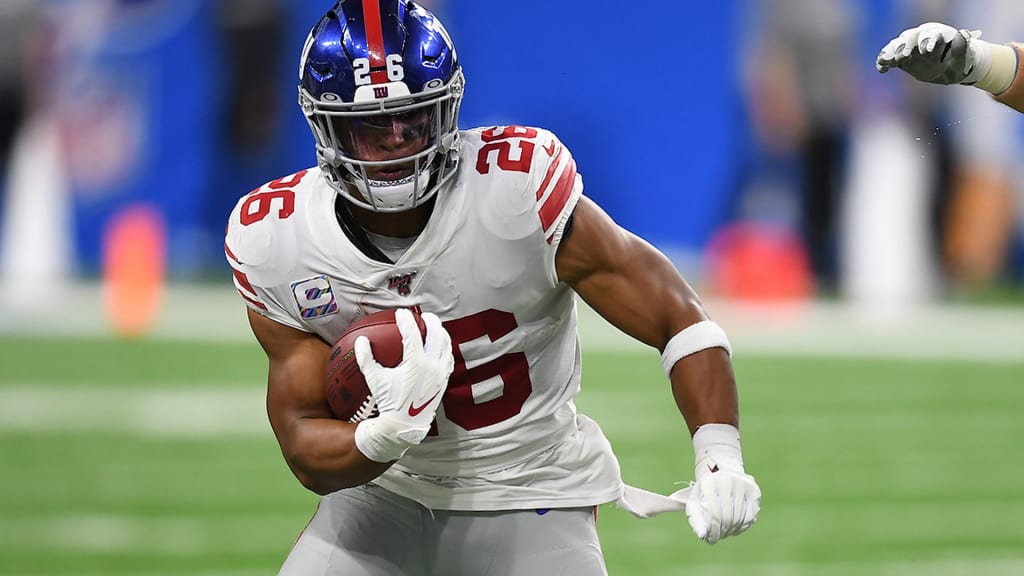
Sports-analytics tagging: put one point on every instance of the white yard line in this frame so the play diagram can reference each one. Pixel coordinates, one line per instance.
(927, 331)
(848, 331)
(145, 410)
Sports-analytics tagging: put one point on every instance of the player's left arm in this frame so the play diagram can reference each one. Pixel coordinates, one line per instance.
(636, 288)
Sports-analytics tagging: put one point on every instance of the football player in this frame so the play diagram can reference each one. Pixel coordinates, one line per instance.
(940, 54)
(478, 461)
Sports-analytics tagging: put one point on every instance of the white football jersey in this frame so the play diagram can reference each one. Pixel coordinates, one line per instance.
(506, 435)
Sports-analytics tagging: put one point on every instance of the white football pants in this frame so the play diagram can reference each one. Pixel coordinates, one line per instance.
(368, 531)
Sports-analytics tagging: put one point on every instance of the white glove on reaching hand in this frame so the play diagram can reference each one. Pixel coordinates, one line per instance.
(407, 395)
(937, 53)
(940, 54)
(725, 500)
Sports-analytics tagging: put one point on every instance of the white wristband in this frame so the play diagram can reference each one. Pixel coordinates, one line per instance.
(379, 440)
(719, 443)
(1002, 70)
(693, 338)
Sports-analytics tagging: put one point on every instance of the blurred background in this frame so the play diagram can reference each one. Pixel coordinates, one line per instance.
(860, 236)
(751, 140)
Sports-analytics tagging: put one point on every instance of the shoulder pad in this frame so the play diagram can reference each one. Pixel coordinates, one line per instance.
(534, 181)
(261, 234)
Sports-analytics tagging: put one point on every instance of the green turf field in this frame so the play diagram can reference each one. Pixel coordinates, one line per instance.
(154, 458)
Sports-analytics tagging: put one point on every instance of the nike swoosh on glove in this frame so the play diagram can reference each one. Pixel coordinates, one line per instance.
(724, 500)
(407, 395)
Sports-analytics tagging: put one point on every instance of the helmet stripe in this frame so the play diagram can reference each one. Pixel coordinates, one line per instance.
(375, 41)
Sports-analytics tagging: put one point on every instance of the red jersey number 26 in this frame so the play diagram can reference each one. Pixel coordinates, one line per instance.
(262, 201)
(498, 140)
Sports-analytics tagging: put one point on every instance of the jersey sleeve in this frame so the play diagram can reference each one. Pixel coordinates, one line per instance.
(257, 251)
(555, 184)
(554, 187)
(532, 189)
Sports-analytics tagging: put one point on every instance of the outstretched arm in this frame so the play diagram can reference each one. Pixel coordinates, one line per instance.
(940, 54)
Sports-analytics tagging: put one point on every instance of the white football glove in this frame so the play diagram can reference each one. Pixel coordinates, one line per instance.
(724, 500)
(407, 395)
(937, 53)
(940, 54)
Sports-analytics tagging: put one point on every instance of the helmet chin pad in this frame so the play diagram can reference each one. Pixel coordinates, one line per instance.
(387, 195)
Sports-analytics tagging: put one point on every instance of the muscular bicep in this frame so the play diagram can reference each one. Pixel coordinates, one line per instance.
(637, 289)
(319, 449)
(295, 372)
(625, 279)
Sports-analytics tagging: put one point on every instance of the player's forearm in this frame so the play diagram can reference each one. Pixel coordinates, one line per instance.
(639, 291)
(1014, 95)
(704, 388)
(322, 454)
(654, 304)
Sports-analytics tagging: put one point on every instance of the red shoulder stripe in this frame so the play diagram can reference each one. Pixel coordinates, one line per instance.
(559, 195)
(230, 254)
(246, 290)
(551, 173)
(255, 303)
(243, 282)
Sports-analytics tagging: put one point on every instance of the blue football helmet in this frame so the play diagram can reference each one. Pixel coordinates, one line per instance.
(380, 85)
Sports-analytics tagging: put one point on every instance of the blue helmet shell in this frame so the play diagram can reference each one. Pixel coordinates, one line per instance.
(368, 58)
(347, 33)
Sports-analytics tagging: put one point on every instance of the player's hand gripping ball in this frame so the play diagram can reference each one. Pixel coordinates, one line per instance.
(347, 393)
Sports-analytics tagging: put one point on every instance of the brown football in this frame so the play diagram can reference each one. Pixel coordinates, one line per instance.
(347, 394)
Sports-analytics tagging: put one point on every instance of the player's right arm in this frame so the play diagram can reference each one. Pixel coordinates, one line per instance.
(324, 453)
(940, 54)
(260, 241)
(320, 450)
